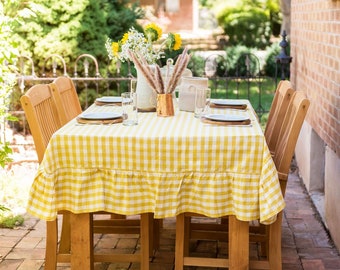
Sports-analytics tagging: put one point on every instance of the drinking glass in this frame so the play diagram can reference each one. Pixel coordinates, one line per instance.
(202, 102)
(129, 106)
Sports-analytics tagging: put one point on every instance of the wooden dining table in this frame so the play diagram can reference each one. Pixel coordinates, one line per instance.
(163, 165)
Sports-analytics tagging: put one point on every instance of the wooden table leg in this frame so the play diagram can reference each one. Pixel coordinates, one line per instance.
(238, 244)
(275, 256)
(81, 242)
(179, 250)
(145, 241)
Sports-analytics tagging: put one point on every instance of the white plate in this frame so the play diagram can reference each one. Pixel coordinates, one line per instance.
(109, 99)
(226, 117)
(100, 115)
(230, 102)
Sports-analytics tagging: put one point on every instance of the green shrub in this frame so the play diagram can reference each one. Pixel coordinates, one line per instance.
(247, 24)
(270, 60)
(236, 61)
(8, 56)
(271, 67)
(71, 28)
(11, 221)
(196, 65)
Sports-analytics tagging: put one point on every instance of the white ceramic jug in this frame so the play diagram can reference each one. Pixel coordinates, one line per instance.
(187, 89)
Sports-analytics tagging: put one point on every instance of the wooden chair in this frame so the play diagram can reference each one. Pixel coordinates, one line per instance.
(282, 97)
(65, 93)
(64, 90)
(44, 115)
(277, 112)
(268, 235)
(43, 119)
(289, 134)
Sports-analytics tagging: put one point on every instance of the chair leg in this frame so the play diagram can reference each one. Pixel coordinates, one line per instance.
(265, 245)
(65, 237)
(157, 225)
(145, 223)
(187, 236)
(179, 252)
(51, 245)
(274, 252)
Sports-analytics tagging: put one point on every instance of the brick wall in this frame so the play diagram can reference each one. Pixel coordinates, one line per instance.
(183, 19)
(315, 69)
(180, 20)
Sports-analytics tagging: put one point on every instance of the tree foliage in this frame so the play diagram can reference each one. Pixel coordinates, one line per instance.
(8, 54)
(70, 28)
(247, 22)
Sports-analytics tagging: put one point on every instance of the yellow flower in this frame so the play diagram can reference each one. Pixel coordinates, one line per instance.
(153, 32)
(125, 37)
(115, 48)
(174, 42)
(178, 42)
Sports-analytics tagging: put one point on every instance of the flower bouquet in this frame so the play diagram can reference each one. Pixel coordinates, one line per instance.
(140, 49)
(143, 44)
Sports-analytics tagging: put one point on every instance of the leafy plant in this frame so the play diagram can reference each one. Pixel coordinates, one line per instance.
(270, 67)
(71, 28)
(5, 151)
(11, 221)
(247, 24)
(196, 65)
(8, 53)
(236, 61)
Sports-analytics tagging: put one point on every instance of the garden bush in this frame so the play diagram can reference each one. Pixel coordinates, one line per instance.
(248, 23)
(236, 62)
(271, 68)
(72, 28)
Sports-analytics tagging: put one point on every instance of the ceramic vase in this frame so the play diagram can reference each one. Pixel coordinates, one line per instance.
(147, 97)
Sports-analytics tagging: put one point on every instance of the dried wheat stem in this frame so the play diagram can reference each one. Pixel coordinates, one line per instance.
(179, 73)
(159, 79)
(180, 65)
(171, 81)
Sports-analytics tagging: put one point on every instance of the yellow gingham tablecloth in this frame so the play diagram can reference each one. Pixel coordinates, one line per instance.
(163, 165)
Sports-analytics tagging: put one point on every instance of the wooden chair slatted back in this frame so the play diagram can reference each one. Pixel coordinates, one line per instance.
(68, 97)
(277, 112)
(289, 134)
(42, 115)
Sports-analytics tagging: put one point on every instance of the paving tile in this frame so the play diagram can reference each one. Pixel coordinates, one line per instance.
(107, 243)
(313, 264)
(163, 257)
(286, 266)
(11, 264)
(332, 263)
(32, 254)
(9, 241)
(4, 252)
(129, 243)
(30, 242)
(31, 265)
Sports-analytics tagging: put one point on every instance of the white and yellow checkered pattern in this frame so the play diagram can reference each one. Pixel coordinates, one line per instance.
(163, 165)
